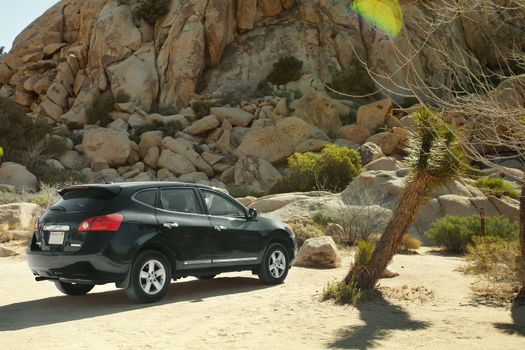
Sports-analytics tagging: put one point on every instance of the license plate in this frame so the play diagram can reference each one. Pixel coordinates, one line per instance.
(56, 238)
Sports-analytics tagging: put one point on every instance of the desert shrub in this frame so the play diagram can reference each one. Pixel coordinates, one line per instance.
(410, 243)
(122, 97)
(98, 111)
(455, 233)
(497, 187)
(202, 107)
(331, 170)
(167, 110)
(364, 252)
(51, 176)
(238, 191)
(357, 83)
(152, 10)
(285, 70)
(493, 261)
(25, 139)
(305, 230)
(342, 293)
(322, 219)
(46, 197)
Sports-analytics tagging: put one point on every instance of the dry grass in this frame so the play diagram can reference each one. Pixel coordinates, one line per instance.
(406, 293)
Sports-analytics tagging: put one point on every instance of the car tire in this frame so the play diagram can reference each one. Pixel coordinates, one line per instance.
(274, 267)
(150, 277)
(73, 289)
(207, 277)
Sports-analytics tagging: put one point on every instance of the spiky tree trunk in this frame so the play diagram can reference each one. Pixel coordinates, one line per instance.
(405, 213)
(521, 264)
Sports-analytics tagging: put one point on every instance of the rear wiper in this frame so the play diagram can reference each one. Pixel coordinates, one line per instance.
(58, 208)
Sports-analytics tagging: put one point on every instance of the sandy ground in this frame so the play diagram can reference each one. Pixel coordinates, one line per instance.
(235, 311)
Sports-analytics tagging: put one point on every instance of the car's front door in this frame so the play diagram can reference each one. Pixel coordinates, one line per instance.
(186, 226)
(236, 239)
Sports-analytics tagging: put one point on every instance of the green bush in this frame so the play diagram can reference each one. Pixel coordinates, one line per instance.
(497, 187)
(357, 83)
(322, 219)
(51, 176)
(342, 293)
(238, 191)
(25, 139)
(455, 232)
(285, 70)
(305, 230)
(364, 252)
(494, 262)
(331, 170)
(98, 111)
(202, 107)
(152, 10)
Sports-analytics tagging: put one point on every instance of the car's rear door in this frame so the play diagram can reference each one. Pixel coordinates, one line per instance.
(183, 221)
(236, 239)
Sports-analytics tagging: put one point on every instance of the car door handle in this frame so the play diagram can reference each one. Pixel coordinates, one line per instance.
(170, 225)
(220, 227)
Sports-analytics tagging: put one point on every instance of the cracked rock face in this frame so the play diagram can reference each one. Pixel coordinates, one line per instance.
(203, 46)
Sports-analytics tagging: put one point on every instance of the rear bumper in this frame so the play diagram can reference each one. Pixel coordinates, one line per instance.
(73, 267)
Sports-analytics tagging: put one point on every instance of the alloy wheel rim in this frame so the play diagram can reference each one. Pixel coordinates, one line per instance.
(277, 264)
(152, 277)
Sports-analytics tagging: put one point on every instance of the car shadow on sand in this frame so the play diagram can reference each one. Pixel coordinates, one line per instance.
(380, 318)
(60, 309)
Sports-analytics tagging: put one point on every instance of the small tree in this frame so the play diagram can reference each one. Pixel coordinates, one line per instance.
(434, 160)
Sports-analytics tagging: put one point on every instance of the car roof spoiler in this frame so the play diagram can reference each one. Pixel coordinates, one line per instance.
(114, 189)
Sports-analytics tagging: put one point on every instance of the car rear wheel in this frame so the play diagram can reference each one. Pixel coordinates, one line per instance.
(73, 288)
(207, 277)
(150, 277)
(274, 267)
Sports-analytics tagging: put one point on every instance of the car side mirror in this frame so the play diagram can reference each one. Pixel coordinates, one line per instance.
(252, 213)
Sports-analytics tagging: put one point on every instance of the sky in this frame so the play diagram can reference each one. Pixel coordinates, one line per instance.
(15, 15)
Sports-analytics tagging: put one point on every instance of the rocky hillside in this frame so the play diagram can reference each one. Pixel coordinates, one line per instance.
(194, 72)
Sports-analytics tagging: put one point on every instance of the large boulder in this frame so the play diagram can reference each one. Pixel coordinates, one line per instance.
(202, 125)
(373, 115)
(387, 141)
(355, 133)
(369, 152)
(318, 252)
(256, 173)
(276, 142)
(179, 76)
(320, 110)
(185, 148)
(112, 145)
(114, 37)
(236, 116)
(21, 216)
(175, 163)
(18, 176)
(72, 160)
(137, 77)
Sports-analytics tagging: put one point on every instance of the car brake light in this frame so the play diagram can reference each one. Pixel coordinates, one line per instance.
(109, 223)
(37, 225)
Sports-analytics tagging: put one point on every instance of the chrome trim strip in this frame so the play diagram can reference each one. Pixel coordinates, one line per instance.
(234, 260)
(61, 228)
(196, 262)
(76, 245)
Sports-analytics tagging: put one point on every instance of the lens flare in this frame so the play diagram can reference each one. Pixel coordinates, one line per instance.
(385, 15)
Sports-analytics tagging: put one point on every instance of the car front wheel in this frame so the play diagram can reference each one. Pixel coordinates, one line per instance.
(274, 267)
(73, 288)
(150, 277)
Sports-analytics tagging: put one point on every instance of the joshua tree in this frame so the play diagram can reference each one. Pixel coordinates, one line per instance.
(434, 159)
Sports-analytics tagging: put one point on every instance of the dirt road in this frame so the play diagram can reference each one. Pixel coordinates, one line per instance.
(235, 311)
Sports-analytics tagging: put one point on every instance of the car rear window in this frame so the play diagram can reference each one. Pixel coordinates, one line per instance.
(83, 199)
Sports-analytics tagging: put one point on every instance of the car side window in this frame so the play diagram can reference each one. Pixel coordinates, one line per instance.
(221, 206)
(182, 200)
(146, 196)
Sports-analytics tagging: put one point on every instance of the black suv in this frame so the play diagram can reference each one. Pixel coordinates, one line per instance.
(142, 235)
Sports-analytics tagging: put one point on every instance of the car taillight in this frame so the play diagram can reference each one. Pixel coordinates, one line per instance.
(37, 225)
(109, 223)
